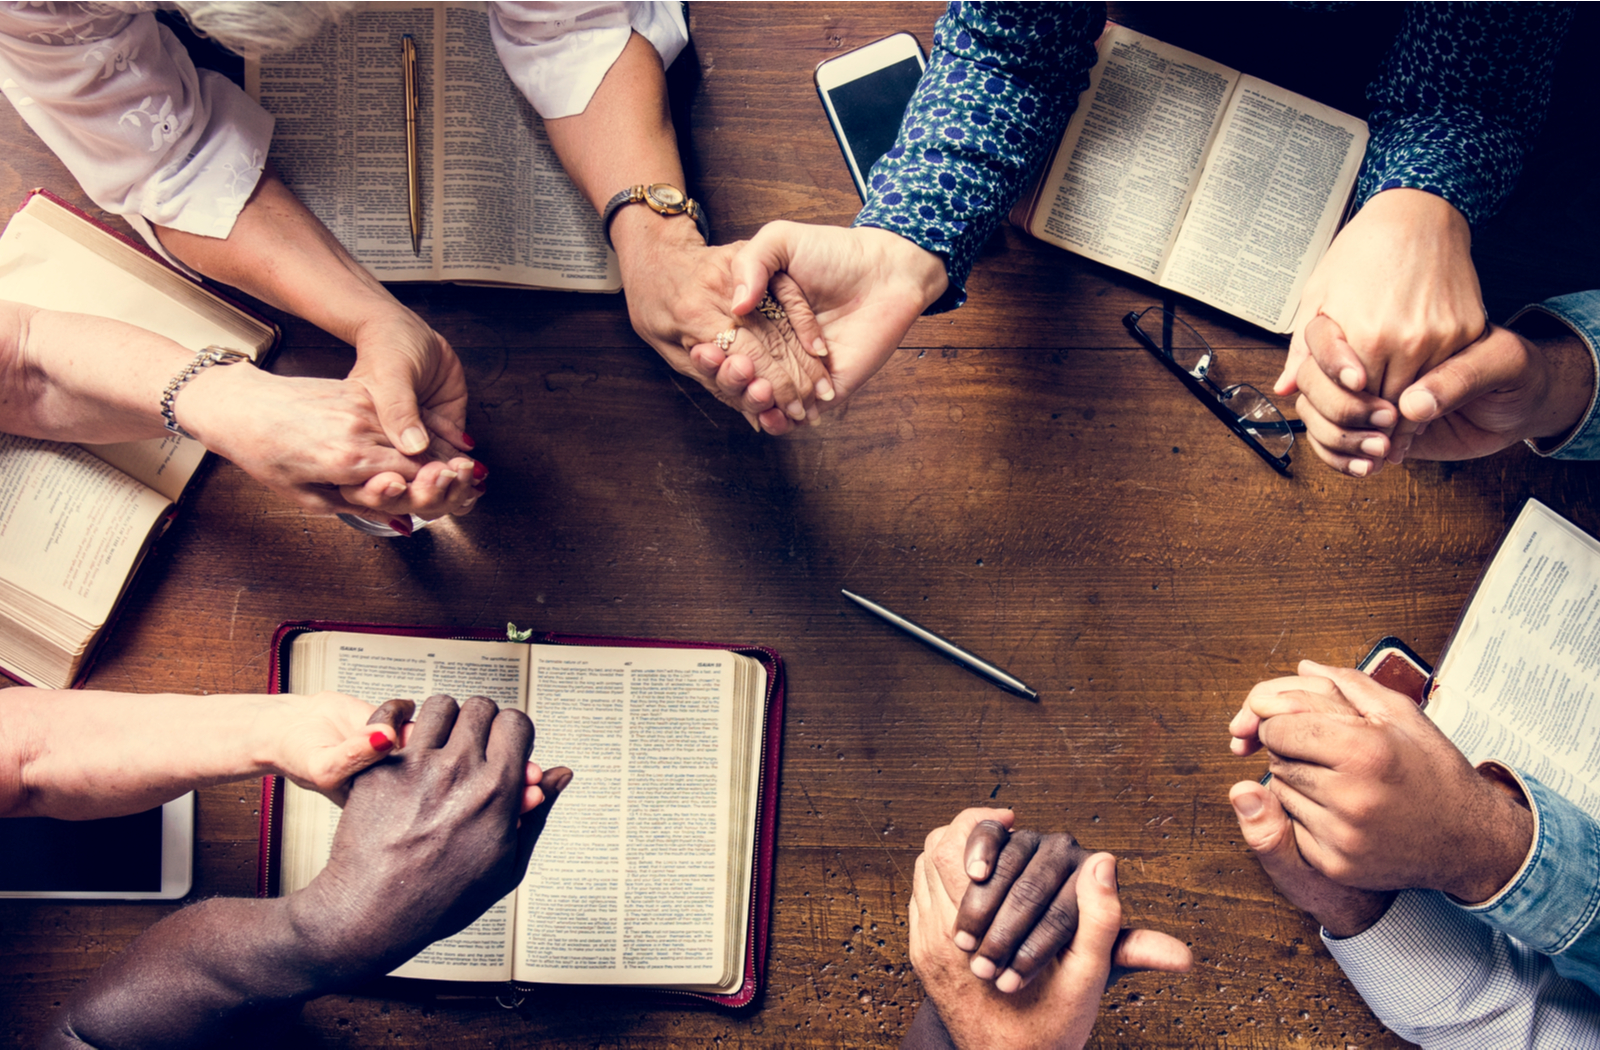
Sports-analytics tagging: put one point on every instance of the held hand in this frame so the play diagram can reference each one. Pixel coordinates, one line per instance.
(319, 443)
(319, 742)
(1059, 1007)
(1398, 281)
(865, 287)
(429, 839)
(415, 380)
(1270, 834)
(678, 290)
(1380, 798)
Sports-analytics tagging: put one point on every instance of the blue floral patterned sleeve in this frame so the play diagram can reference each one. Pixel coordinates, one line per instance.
(1460, 99)
(1001, 84)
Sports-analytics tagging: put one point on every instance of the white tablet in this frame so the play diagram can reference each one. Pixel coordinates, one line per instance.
(144, 856)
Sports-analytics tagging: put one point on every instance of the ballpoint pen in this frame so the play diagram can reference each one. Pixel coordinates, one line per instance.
(950, 649)
(408, 53)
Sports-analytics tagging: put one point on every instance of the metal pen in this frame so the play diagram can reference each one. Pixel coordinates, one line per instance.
(408, 62)
(948, 648)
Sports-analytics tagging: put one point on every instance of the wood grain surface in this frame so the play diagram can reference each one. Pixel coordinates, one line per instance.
(1021, 477)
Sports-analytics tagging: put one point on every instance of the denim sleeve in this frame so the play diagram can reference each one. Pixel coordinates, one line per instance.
(1581, 313)
(1001, 84)
(1460, 98)
(1439, 978)
(1553, 903)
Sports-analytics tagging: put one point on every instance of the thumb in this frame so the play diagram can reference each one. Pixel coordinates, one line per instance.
(394, 397)
(763, 255)
(1326, 344)
(1286, 383)
(1484, 367)
(1266, 828)
(1138, 950)
(1099, 915)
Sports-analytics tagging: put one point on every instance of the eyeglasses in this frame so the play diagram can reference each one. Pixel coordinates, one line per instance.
(1247, 411)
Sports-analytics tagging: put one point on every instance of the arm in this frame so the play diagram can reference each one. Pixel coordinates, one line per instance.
(1000, 86)
(1449, 128)
(73, 377)
(427, 842)
(621, 135)
(83, 754)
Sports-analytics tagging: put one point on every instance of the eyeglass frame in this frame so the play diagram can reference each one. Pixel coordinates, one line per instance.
(1207, 389)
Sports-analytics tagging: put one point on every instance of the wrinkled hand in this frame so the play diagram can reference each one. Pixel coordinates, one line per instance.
(1399, 283)
(1056, 1009)
(319, 443)
(1270, 834)
(1380, 798)
(859, 289)
(429, 839)
(678, 291)
(1501, 389)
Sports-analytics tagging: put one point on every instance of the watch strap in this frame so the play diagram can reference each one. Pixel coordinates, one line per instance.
(211, 355)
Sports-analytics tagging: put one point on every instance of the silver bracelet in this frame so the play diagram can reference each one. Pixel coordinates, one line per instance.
(204, 359)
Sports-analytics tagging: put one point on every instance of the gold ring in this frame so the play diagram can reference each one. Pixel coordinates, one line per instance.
(769, 308)
(724, 340)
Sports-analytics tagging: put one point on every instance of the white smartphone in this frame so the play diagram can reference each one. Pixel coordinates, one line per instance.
(865, 92)
(143, 856)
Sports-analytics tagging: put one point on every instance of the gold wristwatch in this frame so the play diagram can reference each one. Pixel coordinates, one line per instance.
(663, 199)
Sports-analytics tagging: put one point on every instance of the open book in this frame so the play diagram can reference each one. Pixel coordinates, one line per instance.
(75, 521)
(1519, 679)
(647, 871)
(497, 207)
(1209, 183)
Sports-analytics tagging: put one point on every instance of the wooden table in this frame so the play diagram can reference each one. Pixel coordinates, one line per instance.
(1021, 477)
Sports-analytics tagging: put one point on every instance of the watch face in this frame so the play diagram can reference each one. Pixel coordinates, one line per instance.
(663, 195)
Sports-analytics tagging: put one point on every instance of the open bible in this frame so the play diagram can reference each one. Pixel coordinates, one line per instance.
(76, 520)
(497, 207)
(648, 872)
(1212, 184)
(1519, 679)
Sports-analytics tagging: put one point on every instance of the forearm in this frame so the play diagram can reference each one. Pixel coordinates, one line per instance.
(73, 377)
(281, 254)
(83, 754)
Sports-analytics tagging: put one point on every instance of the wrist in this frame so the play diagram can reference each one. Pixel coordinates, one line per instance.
(923, 270)
(340, 939)
(1356, 915)
(637, 232)
(1504, 838)
(1569, 377)
(207, 406)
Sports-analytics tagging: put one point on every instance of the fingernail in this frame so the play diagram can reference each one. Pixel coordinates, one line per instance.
(795, 411)
(965, 941)
(448, 475)
(1248, 806)
(380, 742)
(819, 348)
(740, 292)
(413, 441)
(479, 472)
(402, 527)
(756, 424)
(1350, 379)
(393, 489)
(1383, 417)
(1360, 467)
(825, 390)
(977, 870)
(466, 439)
(1374, 446)
(1428, 404)
(469, 504)
(982, 968)
(1009, 982)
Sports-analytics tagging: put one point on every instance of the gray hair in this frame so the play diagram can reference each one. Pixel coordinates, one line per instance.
(255, 28)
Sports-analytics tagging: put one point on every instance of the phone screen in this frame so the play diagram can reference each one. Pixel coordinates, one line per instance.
(870, 107)
(117, 854)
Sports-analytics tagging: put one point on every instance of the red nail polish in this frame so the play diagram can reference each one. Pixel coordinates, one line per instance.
(402, 527)
(380, 742)
(479, 472)
(466, 439)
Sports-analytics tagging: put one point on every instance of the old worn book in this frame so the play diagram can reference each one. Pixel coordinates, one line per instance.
(76, 520)
(497, 208)
(650, 872)
(1518, 681)
(1209, 183)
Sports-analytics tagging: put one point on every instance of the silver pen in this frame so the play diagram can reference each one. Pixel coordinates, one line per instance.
(950, 649)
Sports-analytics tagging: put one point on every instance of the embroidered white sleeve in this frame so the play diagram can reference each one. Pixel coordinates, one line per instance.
(557, 53)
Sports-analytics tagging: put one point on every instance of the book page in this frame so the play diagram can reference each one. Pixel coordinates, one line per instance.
(1268, 204)
(1518, 682)
(72, 527)
(376, 668)
(497, 206)
(629, 882)
(54, 260)
(1132, 152)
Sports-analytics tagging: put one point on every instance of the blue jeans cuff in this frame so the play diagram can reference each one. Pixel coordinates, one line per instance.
(1580, 312)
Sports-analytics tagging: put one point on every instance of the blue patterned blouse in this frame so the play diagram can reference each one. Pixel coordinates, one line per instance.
(1459, 100)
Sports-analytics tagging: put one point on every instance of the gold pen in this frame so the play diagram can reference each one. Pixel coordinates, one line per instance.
(408, 52)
